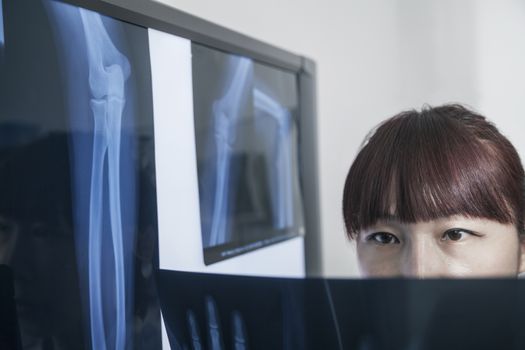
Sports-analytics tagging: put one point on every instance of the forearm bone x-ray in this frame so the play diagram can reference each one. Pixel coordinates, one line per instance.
(226, 114)
(108, 72)
(226, 111)
(2, 37)
(282, 196)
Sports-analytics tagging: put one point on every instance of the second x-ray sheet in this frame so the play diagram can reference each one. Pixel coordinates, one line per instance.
(78, 221)
(246, 141)
(222, 312)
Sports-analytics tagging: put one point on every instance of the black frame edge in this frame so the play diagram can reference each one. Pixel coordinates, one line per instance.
(309, 168)
(168, 19)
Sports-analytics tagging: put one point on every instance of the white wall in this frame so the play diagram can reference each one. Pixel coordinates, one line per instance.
(377, 57)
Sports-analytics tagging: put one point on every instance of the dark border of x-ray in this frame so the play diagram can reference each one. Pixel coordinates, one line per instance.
(150, 14)
(232, 249)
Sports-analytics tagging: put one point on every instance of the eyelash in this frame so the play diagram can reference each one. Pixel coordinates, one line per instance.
(372, 238)
(445, 237)
(461, 230)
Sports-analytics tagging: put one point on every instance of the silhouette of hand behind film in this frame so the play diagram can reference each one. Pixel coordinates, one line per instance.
(215, 341)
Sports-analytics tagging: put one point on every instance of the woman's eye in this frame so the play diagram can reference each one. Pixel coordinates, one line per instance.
(382, 238)
(456, 234)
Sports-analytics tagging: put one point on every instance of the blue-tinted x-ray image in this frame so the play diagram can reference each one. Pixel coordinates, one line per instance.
(226, 117)
(2, 40)
(108, 72)
(281, 175)
(247, 142)
(213, 311)
(84, 140)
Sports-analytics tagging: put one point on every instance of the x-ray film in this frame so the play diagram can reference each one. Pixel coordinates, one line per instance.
(246, 312)
(2, 40)
(78, 214)
(246, 141)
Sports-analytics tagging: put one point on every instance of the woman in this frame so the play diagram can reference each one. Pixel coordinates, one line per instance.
(437, 193)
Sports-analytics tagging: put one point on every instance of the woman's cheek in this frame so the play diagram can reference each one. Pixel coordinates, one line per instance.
(486, 258)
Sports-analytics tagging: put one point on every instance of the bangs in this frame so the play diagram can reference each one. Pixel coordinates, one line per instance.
(424, 166)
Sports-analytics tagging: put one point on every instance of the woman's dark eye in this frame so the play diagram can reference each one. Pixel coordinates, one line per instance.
(456, 234)
(382, 238)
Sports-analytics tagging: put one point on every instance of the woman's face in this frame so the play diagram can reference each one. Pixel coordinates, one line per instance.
(449, 247)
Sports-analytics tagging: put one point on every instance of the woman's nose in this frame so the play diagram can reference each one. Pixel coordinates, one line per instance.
(422, 259)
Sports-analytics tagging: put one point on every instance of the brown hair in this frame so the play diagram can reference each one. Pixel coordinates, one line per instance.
(442, 161)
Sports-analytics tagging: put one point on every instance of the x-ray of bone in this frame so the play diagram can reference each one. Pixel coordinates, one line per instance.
(226, 117)
(214, 334)
(319, 313)
(246, 138)
(281, 167)
(2, 38)
(108, 72)
(99, 65)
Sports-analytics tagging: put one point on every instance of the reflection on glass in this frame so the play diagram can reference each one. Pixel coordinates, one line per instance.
(37, 241)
